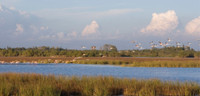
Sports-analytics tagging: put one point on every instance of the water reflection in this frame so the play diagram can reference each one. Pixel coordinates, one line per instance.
(181, 74)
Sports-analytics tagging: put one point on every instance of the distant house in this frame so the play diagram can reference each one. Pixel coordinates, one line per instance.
(93, 47)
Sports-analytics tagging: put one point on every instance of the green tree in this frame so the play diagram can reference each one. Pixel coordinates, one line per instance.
(109, 47)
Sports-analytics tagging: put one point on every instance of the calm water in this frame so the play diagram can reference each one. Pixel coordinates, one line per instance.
(181, 74)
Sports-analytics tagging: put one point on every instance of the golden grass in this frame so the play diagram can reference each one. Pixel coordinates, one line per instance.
(177, 64)
(156, 63)
(13, 84)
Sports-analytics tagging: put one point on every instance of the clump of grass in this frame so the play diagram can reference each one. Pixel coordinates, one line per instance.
(13, 84)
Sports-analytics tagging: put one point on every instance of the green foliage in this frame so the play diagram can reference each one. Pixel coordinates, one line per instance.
(161, 52)
(197, 54)
(109, 47)
(107, 51)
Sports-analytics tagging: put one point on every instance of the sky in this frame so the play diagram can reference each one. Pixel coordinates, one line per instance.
(75, 23)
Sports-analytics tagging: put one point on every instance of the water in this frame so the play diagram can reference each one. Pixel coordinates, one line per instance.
(180, 74)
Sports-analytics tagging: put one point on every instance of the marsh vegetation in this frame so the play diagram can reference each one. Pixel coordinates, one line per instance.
(152, 63)
(13, 84)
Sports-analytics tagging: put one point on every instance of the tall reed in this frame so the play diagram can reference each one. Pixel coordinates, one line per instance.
(13, 84)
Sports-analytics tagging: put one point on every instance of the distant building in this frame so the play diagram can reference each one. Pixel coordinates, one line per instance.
(93, 47)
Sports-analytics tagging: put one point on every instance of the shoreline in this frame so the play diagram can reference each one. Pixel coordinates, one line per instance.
(118, 61)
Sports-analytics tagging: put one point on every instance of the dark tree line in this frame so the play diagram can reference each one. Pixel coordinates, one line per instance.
(107, 51)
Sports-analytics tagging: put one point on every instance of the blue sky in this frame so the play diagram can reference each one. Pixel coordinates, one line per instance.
(75, 23)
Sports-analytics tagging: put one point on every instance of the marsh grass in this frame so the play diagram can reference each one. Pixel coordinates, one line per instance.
(13, 84)
(177, 64)
(120, 61)
(156, 63)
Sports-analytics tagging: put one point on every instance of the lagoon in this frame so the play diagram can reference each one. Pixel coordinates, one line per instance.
(174, 74)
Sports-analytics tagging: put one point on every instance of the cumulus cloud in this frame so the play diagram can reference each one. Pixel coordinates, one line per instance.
(91, 29)
(193, 27)
(19, 29)
(162, 23)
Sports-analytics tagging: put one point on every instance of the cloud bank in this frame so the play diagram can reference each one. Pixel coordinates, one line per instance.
(115, 12)
(59, 36)
(84, 12)
(73, 34)
(193, 27)
(93, 28)
(162, 23)
(19, 26)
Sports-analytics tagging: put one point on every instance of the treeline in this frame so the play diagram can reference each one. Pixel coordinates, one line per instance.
(52, 51)
(162, 52)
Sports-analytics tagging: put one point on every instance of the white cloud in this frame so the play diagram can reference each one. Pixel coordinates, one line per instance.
(55, 36)
(60, 35)
(34, 28)
(10, 2)
(115, 12)
(45, 37)
(1, 8)
(193, 27)
(14, 17)
(91, 29)
(162, 23)
(44, 28)
(12, 8)
(19, 29)
(8, 10)
(73, 34)
(22, 12)
(77, 12)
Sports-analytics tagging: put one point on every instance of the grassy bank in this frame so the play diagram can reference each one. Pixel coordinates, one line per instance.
(175, 64)
(12, 84)
(153, 63)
